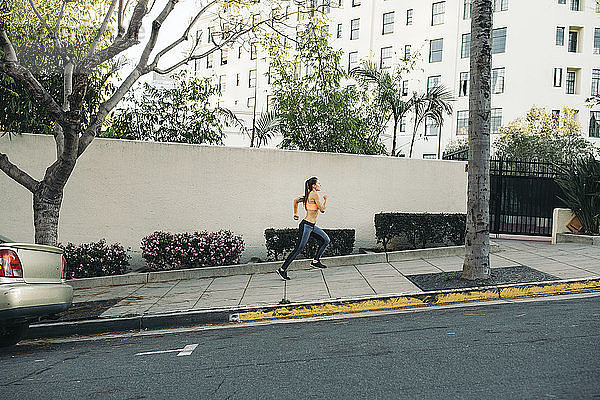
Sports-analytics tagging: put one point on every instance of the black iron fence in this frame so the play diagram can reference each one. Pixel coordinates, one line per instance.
(523, 195)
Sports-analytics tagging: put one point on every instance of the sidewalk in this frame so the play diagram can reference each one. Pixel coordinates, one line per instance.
(560, 262)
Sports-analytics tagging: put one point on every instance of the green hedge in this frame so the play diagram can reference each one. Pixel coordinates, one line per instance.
(281, 242)
(420, 230)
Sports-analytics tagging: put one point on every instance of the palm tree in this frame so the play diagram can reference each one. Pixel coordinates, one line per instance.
(436, 102)
(266, 127)
(389, 91)
(477, 241)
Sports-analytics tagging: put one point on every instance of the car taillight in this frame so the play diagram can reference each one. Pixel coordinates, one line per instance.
(10, 265)
(64, 268)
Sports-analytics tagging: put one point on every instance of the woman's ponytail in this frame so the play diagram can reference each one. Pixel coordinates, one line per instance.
(308, 187)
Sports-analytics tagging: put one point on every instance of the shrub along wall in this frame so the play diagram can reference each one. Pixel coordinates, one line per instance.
(166, 250)
(94, 259)
(280, 242)
(419, 231)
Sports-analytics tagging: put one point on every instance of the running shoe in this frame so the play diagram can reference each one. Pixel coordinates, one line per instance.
(317, 264)
(283, 274)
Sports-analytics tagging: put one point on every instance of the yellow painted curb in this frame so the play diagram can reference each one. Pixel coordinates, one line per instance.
(322, 309)
(542, 290)
(417, 300)
(458, 297)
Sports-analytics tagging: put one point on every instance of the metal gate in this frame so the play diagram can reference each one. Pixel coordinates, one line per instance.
(523, 195)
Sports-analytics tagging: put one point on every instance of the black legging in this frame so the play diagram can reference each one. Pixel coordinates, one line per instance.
(304, 230)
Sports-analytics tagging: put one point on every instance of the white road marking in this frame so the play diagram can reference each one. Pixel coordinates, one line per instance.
(186, 351)
(303, 320)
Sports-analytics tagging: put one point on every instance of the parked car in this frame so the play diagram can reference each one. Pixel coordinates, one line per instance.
(32, 285)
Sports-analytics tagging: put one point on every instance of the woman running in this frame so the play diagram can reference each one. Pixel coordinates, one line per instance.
(312, 205)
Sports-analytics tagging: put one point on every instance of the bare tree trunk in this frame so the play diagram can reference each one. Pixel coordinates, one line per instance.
(477, 241)
(394, 141)
(46, 208)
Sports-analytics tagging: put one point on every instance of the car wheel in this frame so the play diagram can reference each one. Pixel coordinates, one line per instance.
(11, 334)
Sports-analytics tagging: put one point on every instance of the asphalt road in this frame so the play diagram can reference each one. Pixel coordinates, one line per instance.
(534, 350)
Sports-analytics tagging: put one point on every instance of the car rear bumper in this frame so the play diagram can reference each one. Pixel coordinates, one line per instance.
(23, 301)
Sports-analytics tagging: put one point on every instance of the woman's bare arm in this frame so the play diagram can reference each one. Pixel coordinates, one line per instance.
(296, 201)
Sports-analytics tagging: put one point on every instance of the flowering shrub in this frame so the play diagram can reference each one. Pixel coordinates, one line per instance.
(94, 259)
(165, 250)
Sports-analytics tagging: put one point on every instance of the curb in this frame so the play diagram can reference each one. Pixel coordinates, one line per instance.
(257, 268)
(312, 309)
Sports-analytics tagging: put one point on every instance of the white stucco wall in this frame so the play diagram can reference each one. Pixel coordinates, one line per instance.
(125, 190)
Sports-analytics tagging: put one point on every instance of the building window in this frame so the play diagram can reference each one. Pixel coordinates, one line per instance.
(495, 119)
(433, 81)
(467, 8)
(570, 82)
(224, 56)
(597, 40)
(237, 79)
(436, 47)
(240, 52)
(252, 78)
(209, 60)
(556, 115)
(595, 82)
(402, 124)
(463, 86)
(560, 35)
(465, 50)
(352, 60)
(407, 51)
(222, 83)
(595, 124)
(250, 102)
(431, 127)
(462, 122)
(354, 24)
(575, 5)
(557, 77)
(404, 88)
(500, 5)
(386, 57)
(409, 17)
(498, 40)
(388, 23)
(252, 51)
(562, 1)
(572, 48)
(498, 80)
(339, 31)
(437, 13)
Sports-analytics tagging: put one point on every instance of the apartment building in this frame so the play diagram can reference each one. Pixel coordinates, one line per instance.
(545, 53)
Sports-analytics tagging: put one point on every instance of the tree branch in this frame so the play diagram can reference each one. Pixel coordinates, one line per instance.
(141, 69)
(39, 93)
(185, 34)
(121, 43)
(18, 175)
(9, 51)
(102, 28)
(62, 12)
(53, 33)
